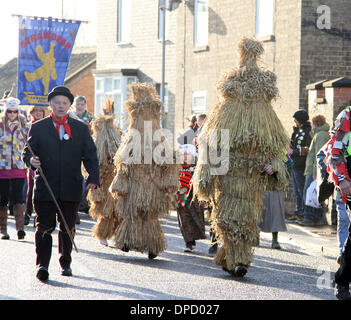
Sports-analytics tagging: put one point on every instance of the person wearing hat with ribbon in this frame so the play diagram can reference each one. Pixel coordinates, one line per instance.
(58, 144)
(13, 131)
(299, 144)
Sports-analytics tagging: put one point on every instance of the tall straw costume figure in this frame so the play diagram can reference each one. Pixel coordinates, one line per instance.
(256, 139)
(107, 137)
(143, 187)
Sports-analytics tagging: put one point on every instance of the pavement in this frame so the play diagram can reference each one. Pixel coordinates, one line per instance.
(302, 270)
(314, 240)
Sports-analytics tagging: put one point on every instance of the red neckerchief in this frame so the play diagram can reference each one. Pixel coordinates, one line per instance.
(60, 123)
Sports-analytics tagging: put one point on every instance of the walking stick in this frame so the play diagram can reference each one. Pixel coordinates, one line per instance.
(53, 197)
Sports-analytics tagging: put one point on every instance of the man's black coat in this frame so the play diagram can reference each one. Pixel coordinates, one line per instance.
(61, 159)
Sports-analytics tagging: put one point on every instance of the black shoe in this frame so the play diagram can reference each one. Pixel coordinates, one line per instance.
(226, 270)
(188, 247)
(5, 237)
(152, 255)
(43, 274)
(276, 245)
(213, 249)
(26, 219)
(342, 292)
(67, 272)
(239, 271)
(125, 248)
(21, 234)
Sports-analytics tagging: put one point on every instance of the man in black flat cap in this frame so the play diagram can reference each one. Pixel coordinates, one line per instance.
(60, 144)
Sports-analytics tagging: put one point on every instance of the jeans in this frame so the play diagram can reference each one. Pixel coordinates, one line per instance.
(343, 223)
(299, 183)
(343, 275)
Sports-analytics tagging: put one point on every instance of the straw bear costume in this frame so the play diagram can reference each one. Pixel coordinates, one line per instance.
(256, 138)
(142, 188)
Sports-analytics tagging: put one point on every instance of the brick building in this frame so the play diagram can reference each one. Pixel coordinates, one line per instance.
(302, 45)
(79, 78)
(130, 49)
(276, 23)
(305, 41)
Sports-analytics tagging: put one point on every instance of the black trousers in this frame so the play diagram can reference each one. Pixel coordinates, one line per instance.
(343, 275)
(47, 214)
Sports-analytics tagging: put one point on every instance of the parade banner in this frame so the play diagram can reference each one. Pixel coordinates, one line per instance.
(45, 46)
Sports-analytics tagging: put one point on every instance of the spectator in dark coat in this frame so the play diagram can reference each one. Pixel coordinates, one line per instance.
(299, 144)
(60, 144)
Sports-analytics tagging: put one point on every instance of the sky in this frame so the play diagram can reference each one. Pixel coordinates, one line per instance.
(70, 9)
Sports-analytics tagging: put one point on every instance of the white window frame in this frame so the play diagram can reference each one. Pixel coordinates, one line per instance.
(199, 94)
(99, 92)
(122, 93)
(264, 17)
(123, 21)
(198, 28)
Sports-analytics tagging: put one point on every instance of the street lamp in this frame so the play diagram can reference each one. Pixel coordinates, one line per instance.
(162, 6)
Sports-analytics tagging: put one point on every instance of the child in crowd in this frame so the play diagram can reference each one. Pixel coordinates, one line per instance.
(190, 211)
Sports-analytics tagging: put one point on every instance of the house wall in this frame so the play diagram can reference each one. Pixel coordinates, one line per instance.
(84, 86)
(229, 22)
(144, 49)
(325, 53)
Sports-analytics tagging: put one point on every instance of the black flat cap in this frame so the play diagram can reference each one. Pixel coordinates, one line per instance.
(61, 91)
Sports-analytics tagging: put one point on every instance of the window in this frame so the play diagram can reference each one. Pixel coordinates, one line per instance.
(123, 28)
(160, 23)
(108, 88)
(99, 95)
(201, 23)
(264, 17)
(114, 87)
(199, 102)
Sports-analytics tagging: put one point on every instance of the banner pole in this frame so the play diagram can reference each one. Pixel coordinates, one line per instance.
(47, 18)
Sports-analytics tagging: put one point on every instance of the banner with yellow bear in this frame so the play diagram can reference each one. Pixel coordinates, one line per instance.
(45, 46)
